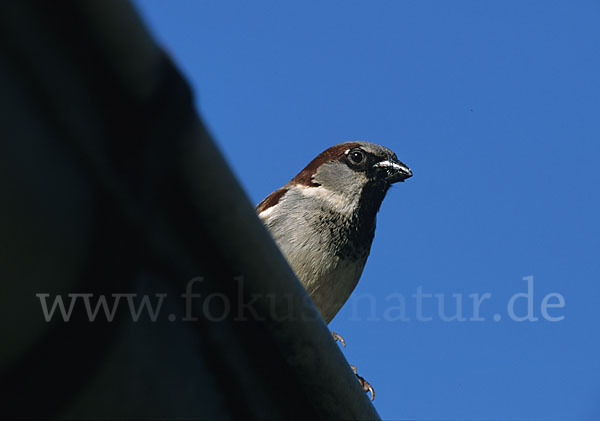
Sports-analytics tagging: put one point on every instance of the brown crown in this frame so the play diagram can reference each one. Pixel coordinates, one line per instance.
(305, 177)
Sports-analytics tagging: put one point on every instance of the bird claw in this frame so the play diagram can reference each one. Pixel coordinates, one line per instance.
(365, 384)
(338, 338)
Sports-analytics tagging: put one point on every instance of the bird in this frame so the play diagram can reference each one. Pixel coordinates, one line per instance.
(324, 218)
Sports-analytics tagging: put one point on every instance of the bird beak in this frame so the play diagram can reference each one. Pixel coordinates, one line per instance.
(396, 170)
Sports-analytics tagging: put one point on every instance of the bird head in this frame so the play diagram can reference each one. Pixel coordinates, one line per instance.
(354, 169)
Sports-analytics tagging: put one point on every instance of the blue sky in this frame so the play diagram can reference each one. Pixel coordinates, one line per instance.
(495, 106)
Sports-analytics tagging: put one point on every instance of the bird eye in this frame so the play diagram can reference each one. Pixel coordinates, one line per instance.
(356, 156)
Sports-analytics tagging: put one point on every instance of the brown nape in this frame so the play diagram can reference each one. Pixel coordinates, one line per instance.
(271, 200)
(304, 177)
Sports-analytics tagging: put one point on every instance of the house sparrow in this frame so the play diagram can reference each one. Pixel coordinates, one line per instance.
(323, 220)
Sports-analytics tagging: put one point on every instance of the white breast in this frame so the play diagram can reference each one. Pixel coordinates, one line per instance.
(310, 242)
